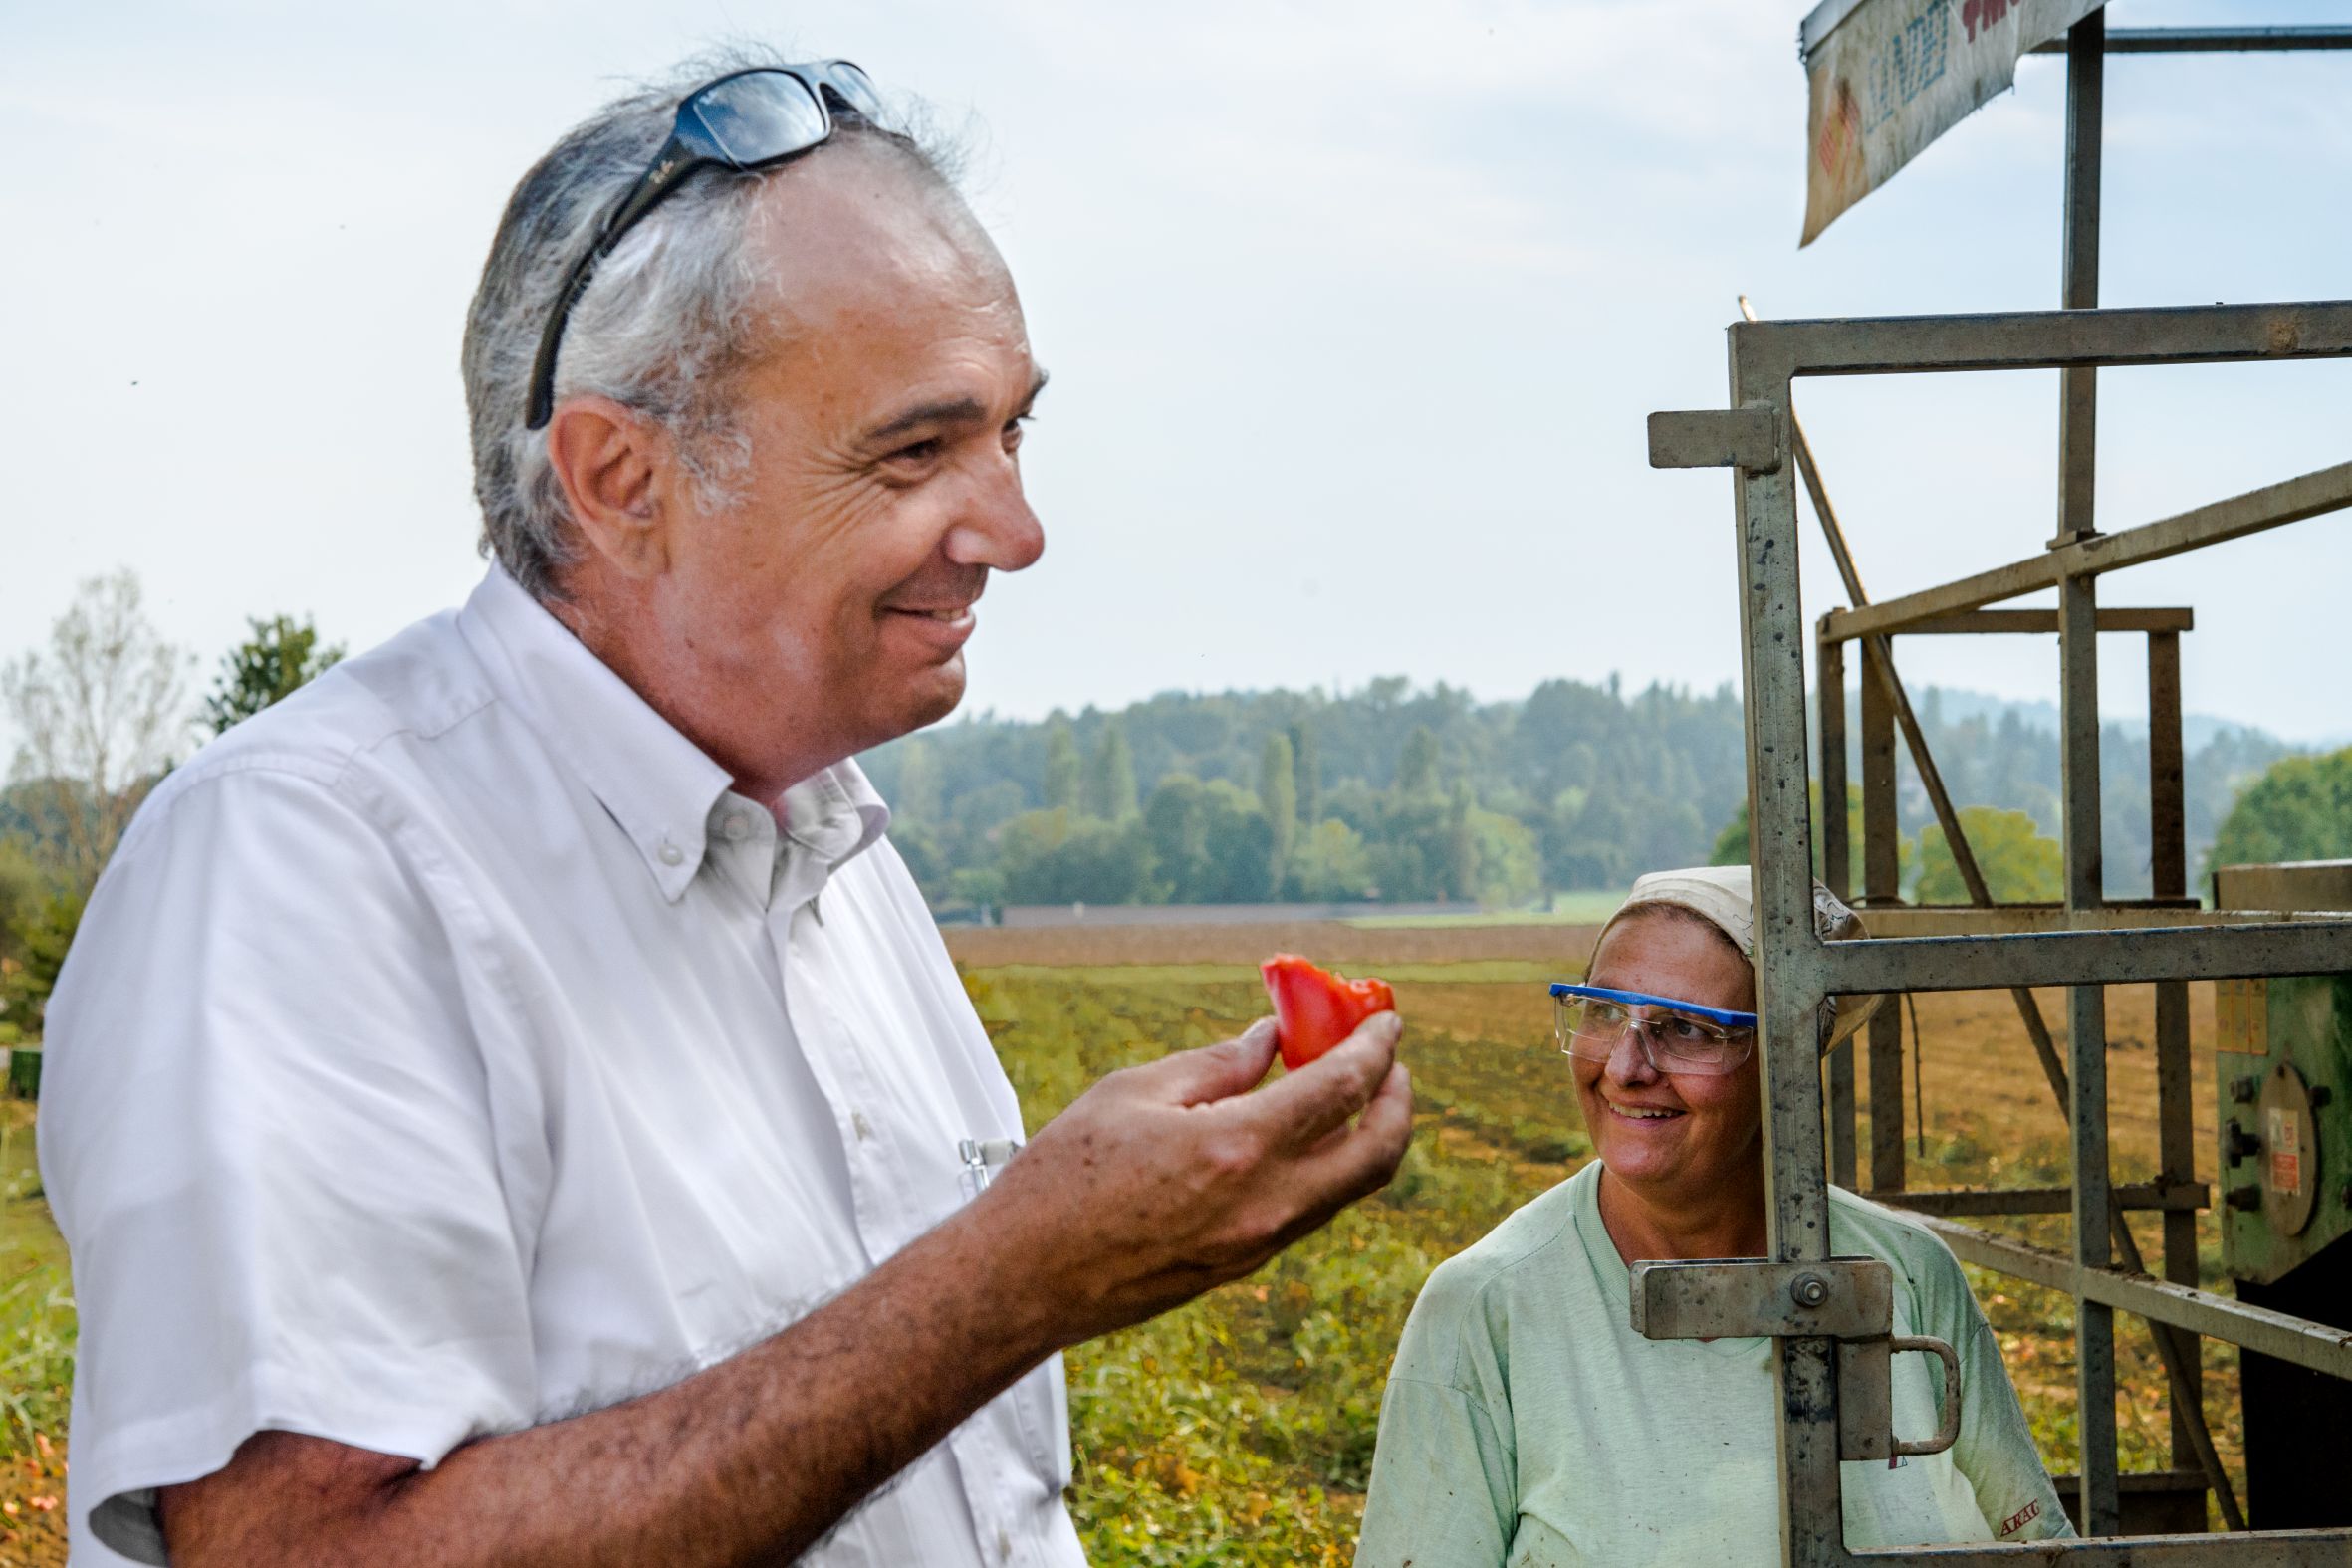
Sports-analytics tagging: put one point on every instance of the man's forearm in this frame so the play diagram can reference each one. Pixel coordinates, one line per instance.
(749, 1462)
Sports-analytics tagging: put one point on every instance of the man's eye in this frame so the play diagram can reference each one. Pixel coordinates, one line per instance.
(917, 451)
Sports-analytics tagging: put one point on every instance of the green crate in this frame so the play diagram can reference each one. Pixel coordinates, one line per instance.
(24, 1071)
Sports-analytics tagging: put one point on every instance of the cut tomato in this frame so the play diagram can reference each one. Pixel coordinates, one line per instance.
(1314, 1010)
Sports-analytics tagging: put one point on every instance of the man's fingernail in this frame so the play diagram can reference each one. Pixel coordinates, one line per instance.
(1394, 1026)
(1259, 1032)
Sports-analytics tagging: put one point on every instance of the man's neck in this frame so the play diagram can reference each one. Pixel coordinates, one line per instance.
(1727, 1221)
(675, 694)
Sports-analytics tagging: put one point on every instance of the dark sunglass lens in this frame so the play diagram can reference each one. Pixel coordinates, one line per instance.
(761, 116)
(856, 88)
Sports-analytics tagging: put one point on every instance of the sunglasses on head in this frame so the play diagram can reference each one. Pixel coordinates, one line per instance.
(749, 119)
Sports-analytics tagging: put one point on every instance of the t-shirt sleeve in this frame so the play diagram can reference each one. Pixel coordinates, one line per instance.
(266, 1135)
(1444, 1487)
(1994, 1449)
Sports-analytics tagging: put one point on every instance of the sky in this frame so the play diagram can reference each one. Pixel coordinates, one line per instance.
(1354, 313)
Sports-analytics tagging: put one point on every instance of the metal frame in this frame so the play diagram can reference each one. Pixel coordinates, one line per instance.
(1795, 970)
(2089, 943)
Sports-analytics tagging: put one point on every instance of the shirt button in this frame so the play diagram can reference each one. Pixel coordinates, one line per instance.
(737, 828)
(671, 854)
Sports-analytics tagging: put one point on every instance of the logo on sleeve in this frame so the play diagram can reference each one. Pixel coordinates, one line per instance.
(2018, 1520)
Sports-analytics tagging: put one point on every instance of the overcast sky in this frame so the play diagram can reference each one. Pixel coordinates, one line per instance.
(1355, 314)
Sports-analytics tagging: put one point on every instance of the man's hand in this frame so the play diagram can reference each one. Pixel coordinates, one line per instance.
(1166, 1180)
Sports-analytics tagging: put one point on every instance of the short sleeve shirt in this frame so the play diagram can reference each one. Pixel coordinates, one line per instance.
(449, 1049)
(1526, 1422)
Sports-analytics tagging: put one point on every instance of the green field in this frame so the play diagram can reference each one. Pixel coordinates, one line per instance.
(1239, 1429)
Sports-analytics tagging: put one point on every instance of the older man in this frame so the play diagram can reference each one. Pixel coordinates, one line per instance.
(509, 1104)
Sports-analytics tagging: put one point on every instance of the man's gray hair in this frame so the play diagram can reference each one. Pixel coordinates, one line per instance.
(666, 320)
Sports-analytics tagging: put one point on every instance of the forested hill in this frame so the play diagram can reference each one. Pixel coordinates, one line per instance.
(1405, 794)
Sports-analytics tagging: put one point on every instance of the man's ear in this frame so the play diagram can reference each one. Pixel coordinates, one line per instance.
(613, 463)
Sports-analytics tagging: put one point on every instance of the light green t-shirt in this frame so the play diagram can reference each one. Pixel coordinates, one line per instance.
(1526, 1423)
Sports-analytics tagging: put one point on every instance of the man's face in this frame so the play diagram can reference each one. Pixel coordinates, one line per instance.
(832, 591)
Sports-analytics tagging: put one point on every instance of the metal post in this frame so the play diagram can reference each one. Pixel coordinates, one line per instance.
(2078, 659)
(1790, 966)
(1838, 872)
(2078, 385)
(1881, 874)
(2175, 1117)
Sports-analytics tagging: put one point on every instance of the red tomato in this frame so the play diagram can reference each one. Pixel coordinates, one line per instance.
(1314, 1010)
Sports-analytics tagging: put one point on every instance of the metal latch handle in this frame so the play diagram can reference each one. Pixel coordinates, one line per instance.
(1866, 1397)
(1949, 1433)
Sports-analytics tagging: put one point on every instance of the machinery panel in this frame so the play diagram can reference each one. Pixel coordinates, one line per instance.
(2284, 1071)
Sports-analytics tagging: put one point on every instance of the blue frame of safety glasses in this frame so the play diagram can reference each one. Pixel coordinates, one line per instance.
(1728, 1019)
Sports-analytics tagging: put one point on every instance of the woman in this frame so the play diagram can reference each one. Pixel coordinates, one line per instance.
(1526, 1422)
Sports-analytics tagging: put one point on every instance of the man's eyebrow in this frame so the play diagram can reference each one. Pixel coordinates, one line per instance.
(948, 411)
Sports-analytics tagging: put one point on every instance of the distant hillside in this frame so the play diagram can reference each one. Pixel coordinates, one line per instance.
(1394, 793)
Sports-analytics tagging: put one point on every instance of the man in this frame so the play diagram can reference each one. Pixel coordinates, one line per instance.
(508, 1103)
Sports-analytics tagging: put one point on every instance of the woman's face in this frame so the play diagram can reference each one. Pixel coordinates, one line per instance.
(1670, 1133)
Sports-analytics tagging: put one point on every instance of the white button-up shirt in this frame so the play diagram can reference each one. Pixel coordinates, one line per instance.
(449, 1049)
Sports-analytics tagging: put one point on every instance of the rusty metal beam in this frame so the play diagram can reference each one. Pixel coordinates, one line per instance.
(1988, 622)
(2171, 1197)
(2043, 340)
(2272, 506)
(2322, 1347)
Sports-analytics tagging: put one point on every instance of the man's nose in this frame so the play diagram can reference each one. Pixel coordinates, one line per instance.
(995, 527)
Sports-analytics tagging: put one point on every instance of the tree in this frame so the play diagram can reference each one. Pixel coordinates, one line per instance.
(1510, 864)
(1060, 856)
(1331, 864)
(41, 937)
(1277, 798)
(2020, 864)
(1110, 777)
(1461, 850)
(281, 657)
(1064, 774)
(921, 796)
(1308, 763)
(1210, 842)
(101, 715)
(1416, 767)
(2300, 809)
(1730, 845)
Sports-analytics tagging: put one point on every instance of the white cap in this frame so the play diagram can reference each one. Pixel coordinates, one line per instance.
(1725, 897)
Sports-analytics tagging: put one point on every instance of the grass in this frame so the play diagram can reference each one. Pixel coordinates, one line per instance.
(36, 1353)
(1585, 908)
(1240, 1428)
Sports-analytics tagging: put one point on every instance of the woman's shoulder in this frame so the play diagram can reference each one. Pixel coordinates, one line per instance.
(1905, 1241)
(1463, 1317)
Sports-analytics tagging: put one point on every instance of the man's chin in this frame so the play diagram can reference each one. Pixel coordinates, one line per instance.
(929, 697)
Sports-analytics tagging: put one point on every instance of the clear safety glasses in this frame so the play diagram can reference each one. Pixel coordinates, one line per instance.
(747, 120)
(1674, 1037)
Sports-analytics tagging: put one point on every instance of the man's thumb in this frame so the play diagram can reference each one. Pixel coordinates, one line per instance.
(1215, 1072)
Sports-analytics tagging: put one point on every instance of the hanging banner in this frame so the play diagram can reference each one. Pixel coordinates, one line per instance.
(1888, 76)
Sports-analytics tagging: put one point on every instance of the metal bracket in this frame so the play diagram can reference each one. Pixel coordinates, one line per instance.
(1746, 1297)
(1749, 438)
(1848, 1299)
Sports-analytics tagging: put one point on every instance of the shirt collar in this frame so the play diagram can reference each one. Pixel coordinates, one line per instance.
(656, 783)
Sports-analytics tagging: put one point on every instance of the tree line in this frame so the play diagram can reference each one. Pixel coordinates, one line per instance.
(1391, 793)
